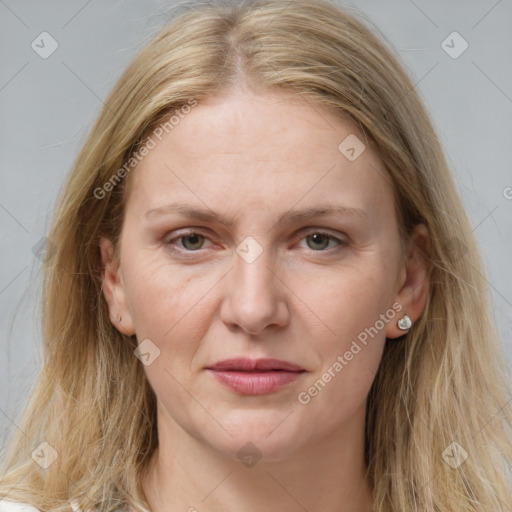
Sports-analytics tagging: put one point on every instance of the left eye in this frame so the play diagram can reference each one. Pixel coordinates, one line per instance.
(321, 240)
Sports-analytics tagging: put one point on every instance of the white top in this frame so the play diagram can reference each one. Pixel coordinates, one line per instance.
(16, 506)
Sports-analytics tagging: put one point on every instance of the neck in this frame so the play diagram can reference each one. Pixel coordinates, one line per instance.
(187, 474)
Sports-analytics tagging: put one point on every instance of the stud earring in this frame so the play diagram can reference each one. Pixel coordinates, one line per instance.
(404, 323)
(119, 318)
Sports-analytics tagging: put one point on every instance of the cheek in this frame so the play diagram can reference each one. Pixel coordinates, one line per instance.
(158, 294)
(338, 394)
(350, 305)
(348, 301)
(171, 307)
(349, 362)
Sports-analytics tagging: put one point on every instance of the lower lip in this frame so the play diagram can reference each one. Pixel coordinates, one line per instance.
(255, 383)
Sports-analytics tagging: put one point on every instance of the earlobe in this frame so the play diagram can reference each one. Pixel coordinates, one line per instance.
(113, 289)
(412, 295)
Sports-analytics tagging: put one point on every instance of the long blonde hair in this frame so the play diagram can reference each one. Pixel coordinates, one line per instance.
(445, 382)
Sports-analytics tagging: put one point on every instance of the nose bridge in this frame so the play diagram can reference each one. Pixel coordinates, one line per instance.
(255, 298)
(252, 275)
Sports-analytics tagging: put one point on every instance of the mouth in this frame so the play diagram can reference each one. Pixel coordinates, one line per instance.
(241, 364)
(255, 376)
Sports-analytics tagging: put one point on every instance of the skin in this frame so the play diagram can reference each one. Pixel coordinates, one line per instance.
(254, 157)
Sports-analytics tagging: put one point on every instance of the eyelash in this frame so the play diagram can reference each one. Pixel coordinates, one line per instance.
(188, 254)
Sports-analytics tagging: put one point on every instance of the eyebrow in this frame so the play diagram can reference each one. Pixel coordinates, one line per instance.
(290, 216)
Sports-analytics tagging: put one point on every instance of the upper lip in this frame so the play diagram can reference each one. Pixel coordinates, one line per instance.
(246, 364)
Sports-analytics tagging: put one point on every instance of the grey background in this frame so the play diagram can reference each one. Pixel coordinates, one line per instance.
(48, 105)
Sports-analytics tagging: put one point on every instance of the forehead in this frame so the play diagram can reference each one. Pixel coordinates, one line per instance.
(268, 149)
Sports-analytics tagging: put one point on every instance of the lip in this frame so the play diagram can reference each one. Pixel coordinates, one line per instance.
(246, 364)
(255, 376)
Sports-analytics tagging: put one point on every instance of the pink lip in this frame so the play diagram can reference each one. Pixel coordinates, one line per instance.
(255, 376)
(255, 383)
(246, 364)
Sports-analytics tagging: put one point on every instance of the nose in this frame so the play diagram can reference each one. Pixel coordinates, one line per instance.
(256, 297)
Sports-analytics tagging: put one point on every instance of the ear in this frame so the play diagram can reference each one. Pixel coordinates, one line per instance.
(414, 280)
(113, 289)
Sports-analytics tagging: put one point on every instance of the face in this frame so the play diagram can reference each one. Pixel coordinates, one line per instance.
(295, 256)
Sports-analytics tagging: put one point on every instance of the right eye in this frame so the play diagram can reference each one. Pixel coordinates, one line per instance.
(189, 242)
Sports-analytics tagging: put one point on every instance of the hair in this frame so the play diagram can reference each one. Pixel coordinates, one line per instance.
(444, 381)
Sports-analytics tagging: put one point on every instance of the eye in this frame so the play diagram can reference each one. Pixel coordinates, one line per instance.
(189, 242)
(319, 240)
(193, 241)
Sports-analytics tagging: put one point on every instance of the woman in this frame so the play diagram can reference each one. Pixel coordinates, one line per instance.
(265, 293)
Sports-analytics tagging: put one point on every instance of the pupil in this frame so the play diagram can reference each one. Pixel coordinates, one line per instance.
(192, 239)
(318, 237)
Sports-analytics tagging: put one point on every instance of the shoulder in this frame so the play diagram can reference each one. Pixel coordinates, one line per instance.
(16, 506)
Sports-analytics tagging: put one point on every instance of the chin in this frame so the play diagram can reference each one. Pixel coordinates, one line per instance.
(258, 438)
